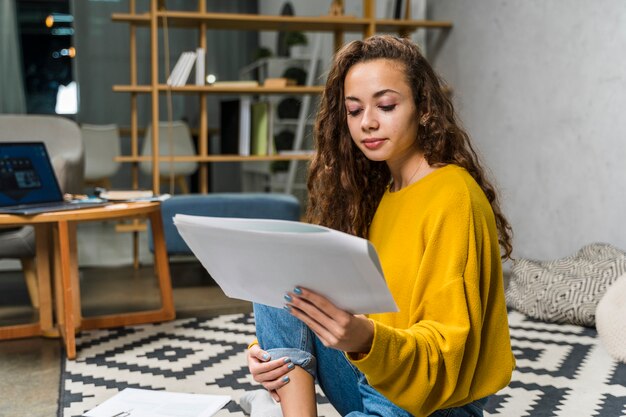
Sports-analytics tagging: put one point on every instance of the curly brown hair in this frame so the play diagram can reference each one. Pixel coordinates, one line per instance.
(344, 187)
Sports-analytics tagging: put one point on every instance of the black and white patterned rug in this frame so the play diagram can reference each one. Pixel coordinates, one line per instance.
(562, 370)
(204, 356)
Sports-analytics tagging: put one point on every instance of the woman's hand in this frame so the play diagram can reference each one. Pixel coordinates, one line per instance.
(272, 374)
(336, 328)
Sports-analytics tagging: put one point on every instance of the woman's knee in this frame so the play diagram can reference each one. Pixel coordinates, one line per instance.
(276, 328)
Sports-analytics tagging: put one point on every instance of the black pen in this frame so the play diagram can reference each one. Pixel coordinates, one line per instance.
(122, 414)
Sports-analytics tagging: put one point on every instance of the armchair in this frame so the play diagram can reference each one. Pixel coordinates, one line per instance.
(64, 143)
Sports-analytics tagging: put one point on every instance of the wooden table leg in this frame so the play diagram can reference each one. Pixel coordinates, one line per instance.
(42, 259)
(74, 272)
(161, 265)
(135, 249)
(57, 283)
(63, 286)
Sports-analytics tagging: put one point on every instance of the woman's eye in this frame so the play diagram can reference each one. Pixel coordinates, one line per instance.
(354, 113)
(387, 108)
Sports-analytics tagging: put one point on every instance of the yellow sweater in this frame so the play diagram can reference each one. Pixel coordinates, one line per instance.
(449, 343)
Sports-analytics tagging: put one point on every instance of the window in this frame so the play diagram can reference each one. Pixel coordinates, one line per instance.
(46, 36)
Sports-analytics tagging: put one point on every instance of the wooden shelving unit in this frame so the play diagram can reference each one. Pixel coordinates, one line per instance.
(202, 21)
(240, 21)
(218, 158)
(193, 89)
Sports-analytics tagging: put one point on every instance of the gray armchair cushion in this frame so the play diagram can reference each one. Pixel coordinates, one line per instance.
(64, 171)
(63, 140)
(17, 242)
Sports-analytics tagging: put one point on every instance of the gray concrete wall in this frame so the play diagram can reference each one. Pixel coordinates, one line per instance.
(541, 87)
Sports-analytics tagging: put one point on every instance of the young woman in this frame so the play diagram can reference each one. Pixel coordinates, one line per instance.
(394, 166)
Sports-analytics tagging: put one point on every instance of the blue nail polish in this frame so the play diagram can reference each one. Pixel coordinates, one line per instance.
(287, 360)
(291, 366)
(288, 298)
(286, 307)
(285, 379)
(266, 356)
(297, 290)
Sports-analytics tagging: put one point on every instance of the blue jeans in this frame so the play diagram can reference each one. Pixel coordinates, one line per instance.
(281, 334)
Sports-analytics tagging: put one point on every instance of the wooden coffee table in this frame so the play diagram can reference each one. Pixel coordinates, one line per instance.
(56, 255)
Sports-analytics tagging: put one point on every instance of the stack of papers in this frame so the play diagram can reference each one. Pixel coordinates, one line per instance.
(123, 195)
(133, 402)
(132, 195)
(259, 260)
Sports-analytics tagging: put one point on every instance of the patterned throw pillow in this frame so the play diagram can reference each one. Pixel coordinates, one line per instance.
(565, 290)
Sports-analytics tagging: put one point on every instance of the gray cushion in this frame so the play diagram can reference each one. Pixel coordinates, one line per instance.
(565, 290)
(17, 242)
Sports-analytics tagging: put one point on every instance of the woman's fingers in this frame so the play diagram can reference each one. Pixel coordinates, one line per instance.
(270, 370)
(335, 327)
(273, 370)
(275, 378)
(258, 353)
(315, 303)
(322, 316)
(272, 374)
(275, 384)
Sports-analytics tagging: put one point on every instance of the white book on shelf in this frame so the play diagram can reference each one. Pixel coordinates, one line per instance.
(245, 120)
(176, 70)
(200, 59)
(190, 59)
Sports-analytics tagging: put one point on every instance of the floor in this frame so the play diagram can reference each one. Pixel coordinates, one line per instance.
(30, 367)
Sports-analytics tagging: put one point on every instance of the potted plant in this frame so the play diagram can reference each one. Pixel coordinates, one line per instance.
(296, 42)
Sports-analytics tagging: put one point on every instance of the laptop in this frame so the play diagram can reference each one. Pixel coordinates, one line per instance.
(28, 184)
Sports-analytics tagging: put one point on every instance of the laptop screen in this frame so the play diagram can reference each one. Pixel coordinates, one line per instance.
(26, 174)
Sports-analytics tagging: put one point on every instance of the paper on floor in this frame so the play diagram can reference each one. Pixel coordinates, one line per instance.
(132, 402)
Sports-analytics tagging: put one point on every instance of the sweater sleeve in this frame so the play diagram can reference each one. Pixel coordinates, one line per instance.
(423, 368)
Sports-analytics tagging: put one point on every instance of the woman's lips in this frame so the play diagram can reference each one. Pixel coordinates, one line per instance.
(373, 143)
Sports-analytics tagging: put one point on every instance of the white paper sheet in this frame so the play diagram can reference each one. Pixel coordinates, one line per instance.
(148, 403)
(260, 260)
